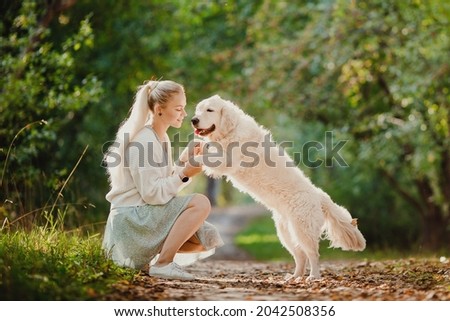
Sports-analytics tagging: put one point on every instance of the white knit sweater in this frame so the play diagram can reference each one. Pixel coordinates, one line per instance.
(150, 175)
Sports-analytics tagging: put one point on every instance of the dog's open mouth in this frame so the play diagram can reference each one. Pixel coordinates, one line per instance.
(205, 132)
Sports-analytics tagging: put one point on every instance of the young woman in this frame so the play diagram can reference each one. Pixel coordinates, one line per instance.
(148, 222)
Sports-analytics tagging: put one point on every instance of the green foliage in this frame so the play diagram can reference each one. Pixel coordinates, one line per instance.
(48, 264)
(39, 103)
(376, 73)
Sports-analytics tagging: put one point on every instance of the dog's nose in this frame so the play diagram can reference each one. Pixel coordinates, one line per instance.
(194, 121)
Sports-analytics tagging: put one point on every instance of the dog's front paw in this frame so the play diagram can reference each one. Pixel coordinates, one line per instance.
(184, 157)
(197, 160)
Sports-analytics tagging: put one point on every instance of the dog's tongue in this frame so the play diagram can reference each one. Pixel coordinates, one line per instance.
(197, 131)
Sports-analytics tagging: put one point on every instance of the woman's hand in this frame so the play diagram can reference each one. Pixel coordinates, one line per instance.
(192, 169)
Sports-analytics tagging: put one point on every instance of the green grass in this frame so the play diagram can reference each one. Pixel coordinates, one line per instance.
(47, 264)
(260, 240)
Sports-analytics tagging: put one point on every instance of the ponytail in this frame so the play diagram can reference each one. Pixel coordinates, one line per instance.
(141, 113)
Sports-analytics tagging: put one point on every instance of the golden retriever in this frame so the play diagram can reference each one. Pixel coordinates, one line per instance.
(240, 149)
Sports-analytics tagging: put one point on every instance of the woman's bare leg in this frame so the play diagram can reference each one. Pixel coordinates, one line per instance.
(185, 226)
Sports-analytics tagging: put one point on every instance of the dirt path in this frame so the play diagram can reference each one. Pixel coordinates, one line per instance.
(232, 275)
(230, 221)
(247, 280)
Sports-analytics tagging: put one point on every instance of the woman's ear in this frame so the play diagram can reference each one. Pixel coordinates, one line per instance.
(158, 110)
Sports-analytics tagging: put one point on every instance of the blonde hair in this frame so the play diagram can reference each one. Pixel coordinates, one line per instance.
(150, 94)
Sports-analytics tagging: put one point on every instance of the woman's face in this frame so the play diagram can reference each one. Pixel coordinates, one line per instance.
(174, 112)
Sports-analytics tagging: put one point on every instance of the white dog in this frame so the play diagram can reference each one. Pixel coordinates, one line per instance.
(243, 151)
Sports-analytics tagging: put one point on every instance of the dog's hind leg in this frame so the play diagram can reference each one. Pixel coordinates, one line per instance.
(286, 240)
(307, 252)
(306, 231)
(301, 261)
(313, 257)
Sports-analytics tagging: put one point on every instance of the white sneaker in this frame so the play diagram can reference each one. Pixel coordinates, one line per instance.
(170, 271)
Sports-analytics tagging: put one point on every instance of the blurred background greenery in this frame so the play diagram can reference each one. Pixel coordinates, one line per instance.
(375, 73)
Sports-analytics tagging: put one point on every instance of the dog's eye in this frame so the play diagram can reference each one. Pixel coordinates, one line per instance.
(209, 110)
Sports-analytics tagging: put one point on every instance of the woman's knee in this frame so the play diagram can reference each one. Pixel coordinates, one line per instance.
(202, 204)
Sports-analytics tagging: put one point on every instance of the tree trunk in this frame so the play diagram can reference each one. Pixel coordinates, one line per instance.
(435, 222)
(435, 234)
(54, 8)
(435, 218)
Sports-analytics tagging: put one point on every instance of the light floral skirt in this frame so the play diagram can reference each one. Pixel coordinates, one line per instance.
(134, 235)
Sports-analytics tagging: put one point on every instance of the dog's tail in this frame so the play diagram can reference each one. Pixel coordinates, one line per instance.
(340, 228)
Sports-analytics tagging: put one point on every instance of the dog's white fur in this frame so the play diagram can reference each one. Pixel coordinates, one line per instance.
(301, 211)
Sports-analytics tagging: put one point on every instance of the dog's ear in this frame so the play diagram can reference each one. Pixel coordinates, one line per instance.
(227, 119)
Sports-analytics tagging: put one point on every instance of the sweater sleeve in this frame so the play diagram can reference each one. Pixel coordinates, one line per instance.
(152, 171)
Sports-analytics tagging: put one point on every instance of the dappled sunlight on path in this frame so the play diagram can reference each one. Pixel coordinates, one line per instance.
(397, 280)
